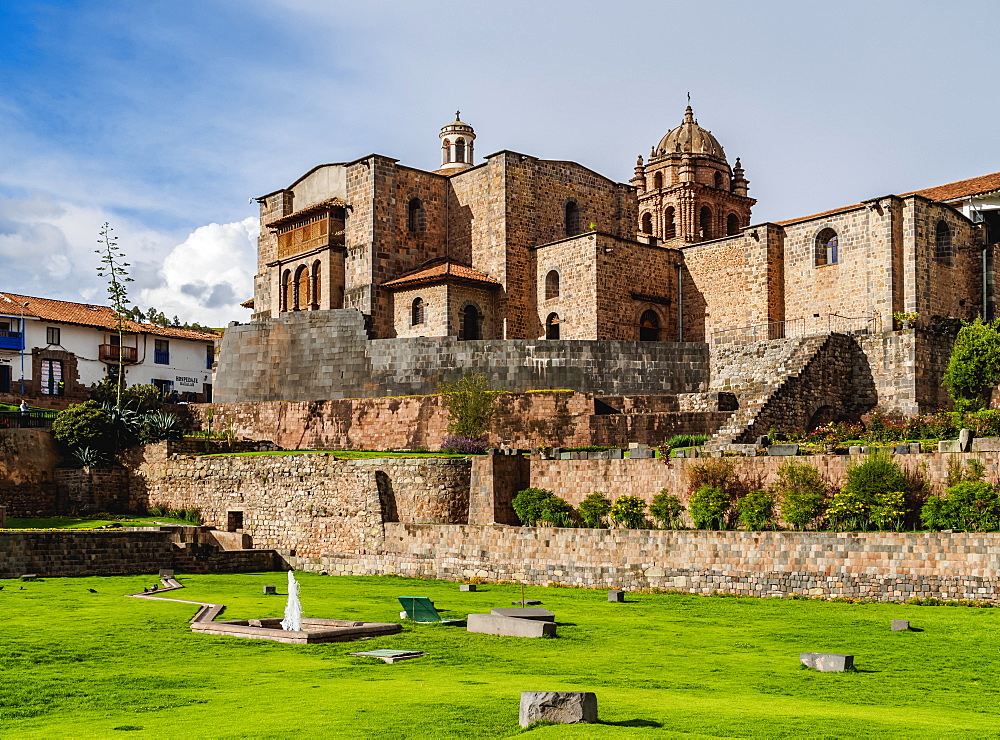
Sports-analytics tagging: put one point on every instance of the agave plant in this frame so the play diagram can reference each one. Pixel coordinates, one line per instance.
(87, 457)
(160, 425)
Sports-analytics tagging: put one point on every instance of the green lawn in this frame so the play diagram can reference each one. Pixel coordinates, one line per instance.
(75, 664)
(70, 522)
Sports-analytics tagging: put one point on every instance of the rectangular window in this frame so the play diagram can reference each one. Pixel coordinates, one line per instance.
(52, 377)
(7, 324)
(165, 386)
(209, 356)
(52, 335)
(4, 378)
(161, 352)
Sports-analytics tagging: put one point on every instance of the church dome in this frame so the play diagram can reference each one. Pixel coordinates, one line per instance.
(691, 138)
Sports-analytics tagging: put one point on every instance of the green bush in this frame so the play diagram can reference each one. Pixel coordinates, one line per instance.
(969, 472)
(161, 425)
(974, 366)
(84, 425)
(802, 492)
(756, 510)
(539, 505)
(970, 505)
(470, 404)
(666, 510)
(629, 512)
(141, 398)
(594, 510)
(685, 440)
(876, 482)
(709, 508)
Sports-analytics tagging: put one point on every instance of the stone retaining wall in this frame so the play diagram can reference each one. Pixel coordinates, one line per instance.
(882, 566)
(27, 459)
(65, 553)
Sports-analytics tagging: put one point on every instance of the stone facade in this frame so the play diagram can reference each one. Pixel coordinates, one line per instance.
(27, 460)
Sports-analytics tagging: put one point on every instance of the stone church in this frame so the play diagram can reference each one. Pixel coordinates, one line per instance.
(375, 278)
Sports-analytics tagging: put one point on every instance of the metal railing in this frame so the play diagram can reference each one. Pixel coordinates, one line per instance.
(792, 328)
(26, 419)
(11, 340)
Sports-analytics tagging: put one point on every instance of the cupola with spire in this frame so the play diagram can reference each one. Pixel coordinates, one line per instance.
(457, 149)
(687, 191)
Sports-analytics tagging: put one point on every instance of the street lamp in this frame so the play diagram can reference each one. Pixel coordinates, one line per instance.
(23, 333)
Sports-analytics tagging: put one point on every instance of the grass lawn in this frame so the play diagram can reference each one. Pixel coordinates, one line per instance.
(69, 522)
(75, 664)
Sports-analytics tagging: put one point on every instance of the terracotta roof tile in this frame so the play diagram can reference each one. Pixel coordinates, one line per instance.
(322, 205)
(842, 209)
(961, 188)
(441, 272)
(85, 314)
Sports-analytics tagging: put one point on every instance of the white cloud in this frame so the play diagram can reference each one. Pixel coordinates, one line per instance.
(207, 276)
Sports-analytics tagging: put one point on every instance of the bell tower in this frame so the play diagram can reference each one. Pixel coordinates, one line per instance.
(457, 145)
(687, 191)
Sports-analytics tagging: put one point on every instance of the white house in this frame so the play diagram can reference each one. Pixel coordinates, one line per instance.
(53, 352)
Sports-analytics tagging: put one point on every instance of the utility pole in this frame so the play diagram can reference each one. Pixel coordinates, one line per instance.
(24, 336)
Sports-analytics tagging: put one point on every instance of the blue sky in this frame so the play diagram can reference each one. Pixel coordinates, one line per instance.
(165, 118)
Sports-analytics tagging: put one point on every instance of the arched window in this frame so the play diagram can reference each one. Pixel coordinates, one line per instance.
(446, 147)
(827, 246)
(552, 285)
(649, 326)
(417, 312)
(302, 288)
(415, 216)
(459, 149)
(471, 323)
(669, 227)
(943, 250)
(572, 218)
(732, 224)
(286, 289)
(552, 326)
(705, 222)
(719, 182)
(646, 224)
(316, 295)
(658, 180)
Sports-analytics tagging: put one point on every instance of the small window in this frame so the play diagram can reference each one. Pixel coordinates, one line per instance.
(943, 250)
(658, 180)
(301, 289)
(446, 149)
(827, 247)
(572, 221)
(732, 224)
(705, 222)
(459, 149)
(649, 326)
(52, 335)
(552, 326)
(52, 378)
(415, 216)
(552, 285)
(719, 181)
(164, 386)
(234, 521)
(646, 225)
(286, 290)
(161, 351)
(669, 227)
(417, 312)
(209, 356)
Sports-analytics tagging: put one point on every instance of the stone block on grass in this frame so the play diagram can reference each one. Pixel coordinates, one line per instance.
(270, 590)
(783, 450)
(467, 587)
(526, 602)
(543, 615)
(827, 662)
(497, 624)
(900, 625)
(949, 445)
(616, 596)
(563, 707)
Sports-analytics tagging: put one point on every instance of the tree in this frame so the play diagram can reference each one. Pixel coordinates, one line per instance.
(113, 269)
(974, 366)
(84, 425)
(802, 491)
(470, 404)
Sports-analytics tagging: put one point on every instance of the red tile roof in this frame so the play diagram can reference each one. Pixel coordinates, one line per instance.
(441, 272)
(842, 209)
(962, 188)
(85, 314)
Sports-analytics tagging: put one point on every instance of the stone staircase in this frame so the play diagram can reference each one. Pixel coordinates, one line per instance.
(760, 375)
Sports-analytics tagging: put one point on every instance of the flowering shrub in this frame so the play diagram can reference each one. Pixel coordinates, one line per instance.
(969, 505)
(709, 508)
(629, 512)
(458, 444)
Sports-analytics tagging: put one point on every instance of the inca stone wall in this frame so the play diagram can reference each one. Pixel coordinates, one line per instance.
(51, 554)
(27, 459)
(305, 503)
(320, 355)
(884, 566)
(529, 420)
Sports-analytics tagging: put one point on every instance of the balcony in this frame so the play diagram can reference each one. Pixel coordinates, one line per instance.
(161, 356)
(114, 352)
(11, 340)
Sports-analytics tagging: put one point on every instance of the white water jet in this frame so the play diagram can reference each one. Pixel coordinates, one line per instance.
(293, 609)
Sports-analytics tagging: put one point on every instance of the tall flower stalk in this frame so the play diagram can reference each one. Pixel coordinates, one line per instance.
(113, 269)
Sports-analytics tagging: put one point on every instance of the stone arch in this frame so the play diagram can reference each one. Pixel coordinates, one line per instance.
(415, 221)
(459, 149)
(720, 183)
(821, 417)
(317, 272)
(552, 326)
(417, 311)
(571, 222)
(827, 247)
(286, 290)
(669, 223)
(649, 326)
(705, 222)
(646, 223)
(301, 287)
(470, 321)
(657, 180)
(446, 146)
(732, 224)
(944, 251)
